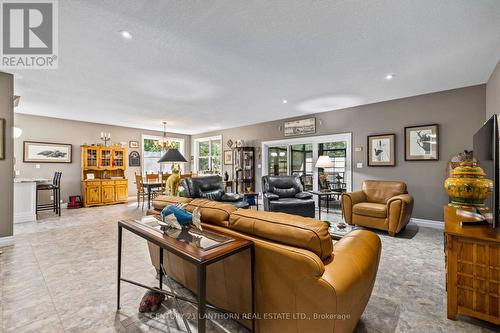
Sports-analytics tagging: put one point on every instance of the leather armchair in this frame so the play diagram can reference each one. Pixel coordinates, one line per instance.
(286, 194)
(212, 188)
(383, 205)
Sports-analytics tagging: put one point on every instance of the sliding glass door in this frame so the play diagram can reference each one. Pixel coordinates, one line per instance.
(298, 156)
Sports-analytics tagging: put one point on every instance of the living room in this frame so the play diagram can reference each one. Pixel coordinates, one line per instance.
(310, 148)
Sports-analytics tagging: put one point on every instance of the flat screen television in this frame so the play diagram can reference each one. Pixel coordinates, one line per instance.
(486, 152)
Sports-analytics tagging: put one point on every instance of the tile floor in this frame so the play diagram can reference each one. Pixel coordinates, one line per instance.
(61, 277)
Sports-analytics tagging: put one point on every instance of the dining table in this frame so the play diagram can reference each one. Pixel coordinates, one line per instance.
(149, 186)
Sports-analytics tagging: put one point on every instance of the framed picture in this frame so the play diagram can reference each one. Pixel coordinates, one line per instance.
(228, 157)
(422, 143)
(381, 150)
(133, 144)
(2, 139)
(300, 127)
(134, 159)
(47, 152)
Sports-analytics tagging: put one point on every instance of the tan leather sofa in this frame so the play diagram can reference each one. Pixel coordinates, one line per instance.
(304, 282)
(384, 205)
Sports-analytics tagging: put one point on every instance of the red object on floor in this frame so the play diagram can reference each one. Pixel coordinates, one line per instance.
(75, 201)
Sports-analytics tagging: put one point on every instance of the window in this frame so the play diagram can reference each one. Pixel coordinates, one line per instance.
(208, 155)
(302, 165)
(337, 153)
(152, 153)
(278, 163)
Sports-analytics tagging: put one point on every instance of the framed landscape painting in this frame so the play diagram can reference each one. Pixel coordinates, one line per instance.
(422, 143)
(381, 150)
(45, 152)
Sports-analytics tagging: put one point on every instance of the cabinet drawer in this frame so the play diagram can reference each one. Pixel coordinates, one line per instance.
(121, 182)
(108, 182)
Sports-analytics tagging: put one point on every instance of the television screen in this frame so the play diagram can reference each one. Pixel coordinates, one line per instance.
(486, 153)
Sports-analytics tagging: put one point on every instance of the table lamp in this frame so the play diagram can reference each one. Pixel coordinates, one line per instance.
(324, 162)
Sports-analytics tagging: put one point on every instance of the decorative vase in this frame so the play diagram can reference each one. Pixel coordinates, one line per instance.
(467, 186)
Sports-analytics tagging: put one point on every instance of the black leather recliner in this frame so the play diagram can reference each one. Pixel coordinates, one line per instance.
(286, 194)
(212, 188)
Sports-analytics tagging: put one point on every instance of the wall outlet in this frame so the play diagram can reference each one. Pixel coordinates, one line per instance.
(51, 198)
(37, 166)
(258, 166)
(18, 172)
(359, 165)
(358, 149)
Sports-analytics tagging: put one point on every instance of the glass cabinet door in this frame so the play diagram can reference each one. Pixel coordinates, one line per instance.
(105, 158)
(278, 162)
(118, 158)
(91, 157)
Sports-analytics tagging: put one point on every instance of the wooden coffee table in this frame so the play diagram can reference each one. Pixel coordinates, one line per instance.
(201, 248)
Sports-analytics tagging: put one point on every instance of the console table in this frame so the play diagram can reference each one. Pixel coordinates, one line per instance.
(201, 248)
(472, 268)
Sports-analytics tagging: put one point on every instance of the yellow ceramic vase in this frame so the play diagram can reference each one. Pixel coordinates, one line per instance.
(467, 186)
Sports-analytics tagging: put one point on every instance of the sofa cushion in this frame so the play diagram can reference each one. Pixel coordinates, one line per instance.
(285, 192)
(370, 209)
(298, 231)
(163, 200)
(213, 212)
(381, 191)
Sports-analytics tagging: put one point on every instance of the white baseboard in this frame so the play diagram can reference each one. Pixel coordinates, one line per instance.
(6, 241)
(428, 223)
(24, 217)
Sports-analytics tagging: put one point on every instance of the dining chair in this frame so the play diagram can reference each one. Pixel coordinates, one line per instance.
(141, 191)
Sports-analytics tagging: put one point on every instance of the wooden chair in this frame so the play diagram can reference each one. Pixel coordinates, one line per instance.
(141, 191)
(55, 187)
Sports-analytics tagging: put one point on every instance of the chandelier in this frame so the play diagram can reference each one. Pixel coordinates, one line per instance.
(164, 144)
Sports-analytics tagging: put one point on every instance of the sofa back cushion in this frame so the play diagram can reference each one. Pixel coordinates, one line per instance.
(212, 212)
(380, 191)
(303, 232)
(162, 201)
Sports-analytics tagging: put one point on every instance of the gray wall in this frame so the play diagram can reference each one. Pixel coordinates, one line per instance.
(458, 112)
(45, 129)
(493, 93)
(6, 166)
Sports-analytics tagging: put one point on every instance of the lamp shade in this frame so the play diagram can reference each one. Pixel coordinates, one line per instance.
(172, 155)
(324, 162)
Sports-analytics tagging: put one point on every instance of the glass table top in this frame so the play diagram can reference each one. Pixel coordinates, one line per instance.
(339, 229)
(201, 239)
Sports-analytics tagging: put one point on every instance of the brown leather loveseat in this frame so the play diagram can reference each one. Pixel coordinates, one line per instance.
(384, 205)
(304, 282)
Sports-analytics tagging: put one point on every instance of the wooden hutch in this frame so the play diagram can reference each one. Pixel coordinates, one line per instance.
(103, 175)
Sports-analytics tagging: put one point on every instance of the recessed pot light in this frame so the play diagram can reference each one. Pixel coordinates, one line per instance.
(389, 76)
(125, 34)
(285, 101)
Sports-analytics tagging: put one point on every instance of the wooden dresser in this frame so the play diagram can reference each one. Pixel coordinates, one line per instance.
(472, 268)
(103, 175)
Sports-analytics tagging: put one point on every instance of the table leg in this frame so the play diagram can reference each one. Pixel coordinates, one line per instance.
(149, 197)
(328, 203)
(319, 207)
(202, 272)
(257, 202)
(252, 270)
(119, 268)
(161, 268)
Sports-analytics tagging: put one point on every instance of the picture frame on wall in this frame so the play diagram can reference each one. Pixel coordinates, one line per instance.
(228, 157)
(300, 127)
(422, 143)
(134, 159)
(133, 144)
(2, 139)
(381, 151)
(47, 152)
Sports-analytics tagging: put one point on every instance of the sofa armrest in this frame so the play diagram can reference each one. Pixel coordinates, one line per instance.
(303, 195)
(348, 201)
(271, 196)
(399, 210)
(231, 197)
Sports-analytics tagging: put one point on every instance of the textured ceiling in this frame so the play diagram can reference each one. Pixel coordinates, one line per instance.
(206, 65)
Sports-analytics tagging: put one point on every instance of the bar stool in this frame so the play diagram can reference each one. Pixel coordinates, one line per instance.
(55, 187)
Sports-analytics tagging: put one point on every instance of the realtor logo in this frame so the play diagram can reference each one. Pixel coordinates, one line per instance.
(29, 34)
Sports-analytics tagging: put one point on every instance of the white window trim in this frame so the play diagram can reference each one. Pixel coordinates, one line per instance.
(182, 146)
(315, 140)
(197, 152)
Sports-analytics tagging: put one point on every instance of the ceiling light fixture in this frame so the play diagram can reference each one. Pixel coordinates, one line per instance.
(125, 34)
(285, 101)
(389, 76)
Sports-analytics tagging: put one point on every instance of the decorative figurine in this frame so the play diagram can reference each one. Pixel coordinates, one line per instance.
(173, 181)
(151, 301)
